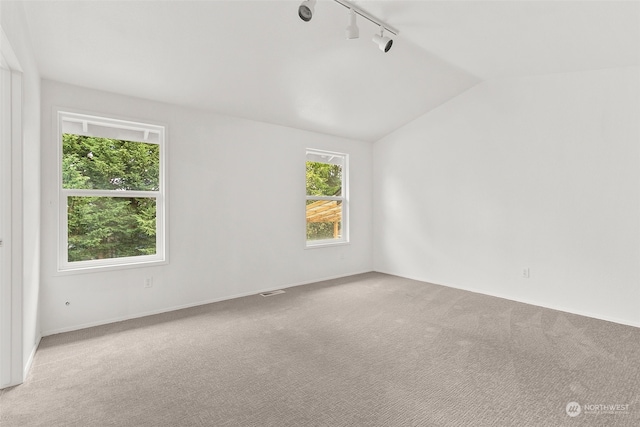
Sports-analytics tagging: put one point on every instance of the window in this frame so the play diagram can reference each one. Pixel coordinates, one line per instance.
(327, 202)
(112, 192)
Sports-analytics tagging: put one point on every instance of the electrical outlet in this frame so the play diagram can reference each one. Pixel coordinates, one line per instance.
(148, 282)
(526, 273)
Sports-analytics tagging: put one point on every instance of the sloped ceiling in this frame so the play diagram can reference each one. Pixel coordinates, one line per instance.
(258, 60)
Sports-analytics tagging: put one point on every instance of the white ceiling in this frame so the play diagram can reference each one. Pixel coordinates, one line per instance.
(258, 60)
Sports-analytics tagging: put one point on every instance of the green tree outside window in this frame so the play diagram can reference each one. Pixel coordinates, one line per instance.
(110, 227)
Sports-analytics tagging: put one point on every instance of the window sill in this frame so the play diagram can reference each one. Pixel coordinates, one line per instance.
(107, 268)
(325, 243)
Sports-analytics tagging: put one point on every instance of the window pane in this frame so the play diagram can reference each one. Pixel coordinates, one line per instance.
(324, 219)
(324, 179)
(110, 227)
(90, 162)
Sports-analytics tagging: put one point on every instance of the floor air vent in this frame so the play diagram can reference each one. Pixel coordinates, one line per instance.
(272, 293)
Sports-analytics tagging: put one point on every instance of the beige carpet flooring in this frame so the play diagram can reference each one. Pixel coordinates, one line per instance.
(367, 350)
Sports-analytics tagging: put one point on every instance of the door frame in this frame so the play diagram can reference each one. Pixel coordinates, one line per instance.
(11, 323)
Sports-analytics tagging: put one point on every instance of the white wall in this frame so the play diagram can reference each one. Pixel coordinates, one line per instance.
(13, 22)
(539, 172)
(236, 212)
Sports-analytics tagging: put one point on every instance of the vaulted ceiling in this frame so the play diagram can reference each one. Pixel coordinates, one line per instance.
(258, 60)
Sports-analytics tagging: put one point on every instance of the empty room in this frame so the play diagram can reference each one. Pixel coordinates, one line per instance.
(319, 213)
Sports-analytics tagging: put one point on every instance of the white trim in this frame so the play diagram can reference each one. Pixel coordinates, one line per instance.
(32, 355)
(9, 57)
(11, 288)
(313, 244)
(336, 198)
(320, 152)
(196, 304)
(112, 193)
(113, 123)
(63, 115)
(5, 231)
(344, 198)
(523, 301)
(17, 251)
(94, 266)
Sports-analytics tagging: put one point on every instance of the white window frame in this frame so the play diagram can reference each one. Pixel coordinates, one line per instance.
(140, 132)
(344, 198)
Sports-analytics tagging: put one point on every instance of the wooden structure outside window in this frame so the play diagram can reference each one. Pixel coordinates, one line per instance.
(326, 211)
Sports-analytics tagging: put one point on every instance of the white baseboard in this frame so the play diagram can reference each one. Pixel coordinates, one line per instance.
(194, 304)
(27, 366)
(537, 304)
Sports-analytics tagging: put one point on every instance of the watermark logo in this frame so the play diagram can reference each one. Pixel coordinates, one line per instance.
(573, 409)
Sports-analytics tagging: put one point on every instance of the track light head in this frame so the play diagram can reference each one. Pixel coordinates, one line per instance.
(305, 10)
(384, 43)
(352, 30)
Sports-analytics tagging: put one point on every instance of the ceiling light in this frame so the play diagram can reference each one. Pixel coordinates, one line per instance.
(384, 43)
(305, 10)
(352, 29)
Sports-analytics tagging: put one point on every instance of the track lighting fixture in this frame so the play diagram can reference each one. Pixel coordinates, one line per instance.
(384, 43)
(305, 10)
(352, 30)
